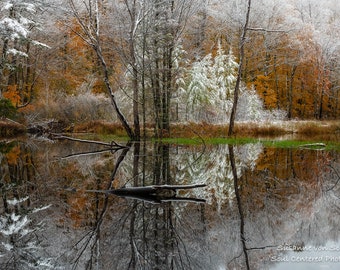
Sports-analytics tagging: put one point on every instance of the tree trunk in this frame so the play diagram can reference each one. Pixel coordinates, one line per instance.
(2, 64)
(239, 73)
(290, 92)
(133, 63)
(91, 36)
(120, 115)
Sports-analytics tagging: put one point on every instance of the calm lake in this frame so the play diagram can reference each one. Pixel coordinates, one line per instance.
(282, 211)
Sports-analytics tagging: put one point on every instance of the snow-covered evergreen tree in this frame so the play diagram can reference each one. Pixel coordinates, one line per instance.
(18, 20)
(207, 90)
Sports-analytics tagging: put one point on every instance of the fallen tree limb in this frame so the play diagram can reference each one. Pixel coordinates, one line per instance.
(154, 189)
(112, 144)
(156, 199)
(87, 153)
(313, 145)
(154, 193)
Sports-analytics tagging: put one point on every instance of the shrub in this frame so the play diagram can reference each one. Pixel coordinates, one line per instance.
(7, 110)
(78, 109)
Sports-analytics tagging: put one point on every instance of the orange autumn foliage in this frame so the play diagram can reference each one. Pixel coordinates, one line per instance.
(12, 94)
(290, 73)
(265, 90)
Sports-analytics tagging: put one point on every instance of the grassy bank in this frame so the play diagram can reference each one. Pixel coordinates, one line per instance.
(242, 129)
(284, 130)
(289, 134)
(264, 129)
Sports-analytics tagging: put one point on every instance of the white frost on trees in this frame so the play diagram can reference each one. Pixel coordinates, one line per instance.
(18, 18)
(251, 108)
(207, 89)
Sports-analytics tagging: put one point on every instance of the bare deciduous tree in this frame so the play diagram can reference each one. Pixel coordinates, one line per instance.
(89, 22)
(239, 73)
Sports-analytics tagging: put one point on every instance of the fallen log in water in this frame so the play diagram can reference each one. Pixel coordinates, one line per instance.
(112, 144)
(153, 193)
(313, 146)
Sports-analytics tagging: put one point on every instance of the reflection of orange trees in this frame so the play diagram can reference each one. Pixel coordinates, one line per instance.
(281, 199)
(13, 156)
(82, 207)
(286, 176)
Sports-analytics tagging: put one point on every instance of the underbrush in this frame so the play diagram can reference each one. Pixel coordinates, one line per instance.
(206, 130)
(10, 129)
(308, 128)
(100, 127)
(242, 129)
(76, 109)
(259, 130)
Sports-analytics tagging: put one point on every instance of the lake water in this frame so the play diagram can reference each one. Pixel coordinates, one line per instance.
(261, 208)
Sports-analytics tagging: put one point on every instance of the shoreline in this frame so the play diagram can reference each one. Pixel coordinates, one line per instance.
(278, 129)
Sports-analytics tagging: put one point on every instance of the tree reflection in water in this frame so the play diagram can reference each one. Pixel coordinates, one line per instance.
(278, 196)
(154, 232)
(239, 205)
(21, 220)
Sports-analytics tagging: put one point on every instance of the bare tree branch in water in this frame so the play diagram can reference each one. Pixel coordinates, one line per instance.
(336, 183)
(155, 235)
(151, 229)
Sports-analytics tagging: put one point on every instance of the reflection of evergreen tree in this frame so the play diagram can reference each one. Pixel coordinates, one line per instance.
(20, 234)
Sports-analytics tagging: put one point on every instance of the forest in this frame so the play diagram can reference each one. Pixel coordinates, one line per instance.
(149, 64)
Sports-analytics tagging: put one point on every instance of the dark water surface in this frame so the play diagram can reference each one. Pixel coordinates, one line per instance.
(280, 212)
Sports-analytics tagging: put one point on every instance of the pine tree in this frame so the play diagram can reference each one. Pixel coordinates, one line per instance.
(207, 88)
(19, 19)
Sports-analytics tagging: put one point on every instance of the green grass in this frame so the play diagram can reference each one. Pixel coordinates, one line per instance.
(330, 145)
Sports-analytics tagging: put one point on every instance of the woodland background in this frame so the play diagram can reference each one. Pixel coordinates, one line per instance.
(164, 61)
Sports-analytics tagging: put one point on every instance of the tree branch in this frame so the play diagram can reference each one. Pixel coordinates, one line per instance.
(112, 144)
(259, 29)
(154, 193)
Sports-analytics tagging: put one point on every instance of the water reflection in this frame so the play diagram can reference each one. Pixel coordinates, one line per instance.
(259, 201)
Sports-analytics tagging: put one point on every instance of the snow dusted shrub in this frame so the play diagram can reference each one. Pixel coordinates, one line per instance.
(251, 108)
